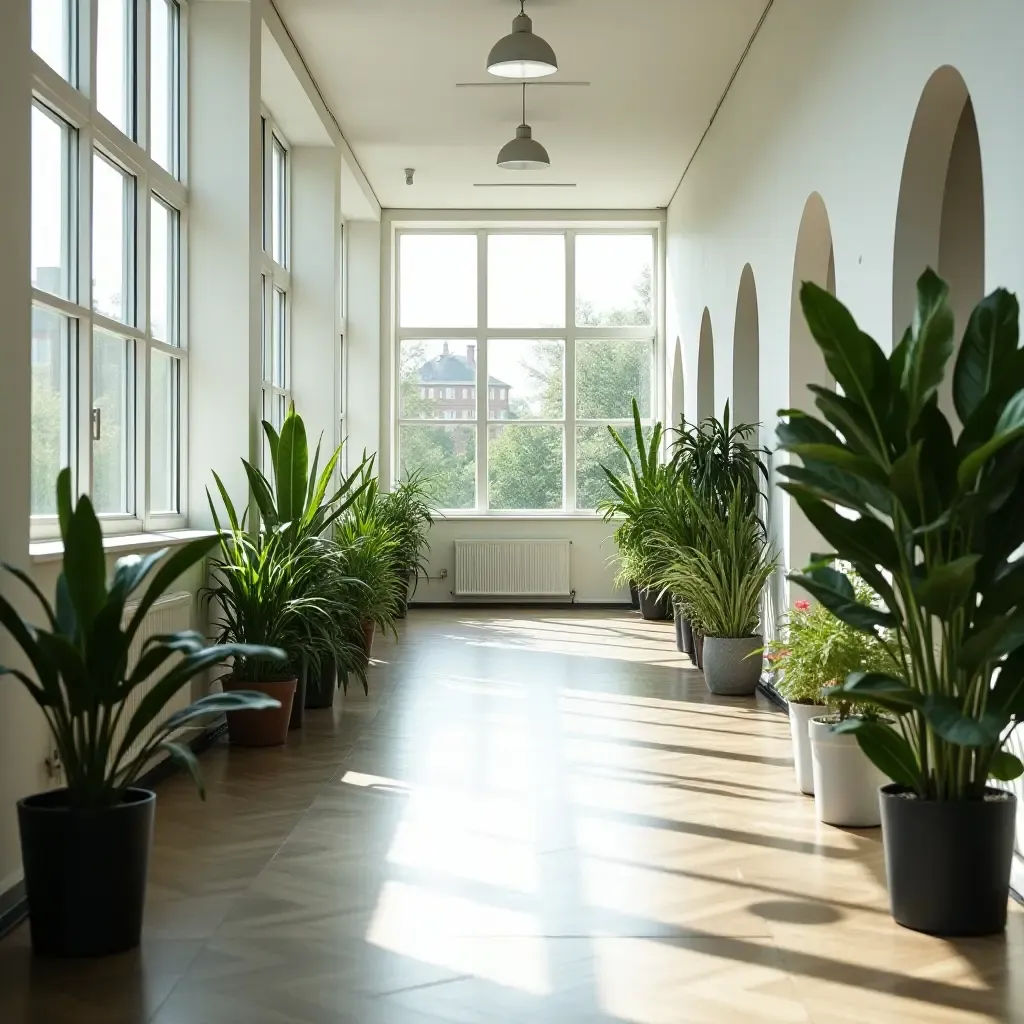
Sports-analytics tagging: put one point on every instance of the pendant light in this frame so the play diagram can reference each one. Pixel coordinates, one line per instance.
(524, 152)
(522, 54)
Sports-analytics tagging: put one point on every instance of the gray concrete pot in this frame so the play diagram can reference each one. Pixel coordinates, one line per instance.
(730, 666)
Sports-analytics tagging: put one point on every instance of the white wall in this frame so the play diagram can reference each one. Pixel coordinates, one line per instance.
(363, 341)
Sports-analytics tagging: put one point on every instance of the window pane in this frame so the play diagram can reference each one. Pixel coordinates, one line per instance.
(112, 194)
(111, 404)
(163, 432)
(51, 393)
(163, 271)
(524, 379)
(51, 34)
(51, 203)
(595, 448)
(524, 466)
(609, 374)
(279, 203)
(613, 280)
(437, 281)
(115, 78)
(280, 339)
(438, 380)
(446, 455)
(163, 94)
(526, 280)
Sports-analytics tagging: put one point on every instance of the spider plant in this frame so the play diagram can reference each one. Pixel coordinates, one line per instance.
(368, 558)
(408, 512)
(84, 674)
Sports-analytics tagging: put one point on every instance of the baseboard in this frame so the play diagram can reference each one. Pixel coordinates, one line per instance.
(766, 687)
(14, 903)
(511, 602)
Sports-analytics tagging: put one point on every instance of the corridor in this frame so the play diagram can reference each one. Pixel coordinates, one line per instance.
(535, 816)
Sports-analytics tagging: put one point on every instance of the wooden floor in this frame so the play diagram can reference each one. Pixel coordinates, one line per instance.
(534, 817)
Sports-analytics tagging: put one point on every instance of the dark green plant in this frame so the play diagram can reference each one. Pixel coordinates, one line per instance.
(717, 457)
(80, 658)
(367, 552)
(408, 512)
(719, 578)
(933, 522)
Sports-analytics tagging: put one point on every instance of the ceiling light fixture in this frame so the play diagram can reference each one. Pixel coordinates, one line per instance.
(524, 152)
(522, 54)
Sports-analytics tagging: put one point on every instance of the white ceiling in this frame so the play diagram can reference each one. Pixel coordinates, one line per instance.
(388, 70)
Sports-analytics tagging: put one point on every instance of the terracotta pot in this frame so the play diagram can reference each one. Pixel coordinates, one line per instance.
(267, 727)
(368, 630)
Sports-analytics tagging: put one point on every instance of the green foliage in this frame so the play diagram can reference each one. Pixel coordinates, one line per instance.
(408, 513)
(934, 521)
(80, 660)
(720, 576)
(368, 550)
(816, 651)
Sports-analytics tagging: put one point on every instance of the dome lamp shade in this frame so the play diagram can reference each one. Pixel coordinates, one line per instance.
(522, 54)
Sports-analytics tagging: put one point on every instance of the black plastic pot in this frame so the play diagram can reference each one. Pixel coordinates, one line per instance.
(948, 862)
(684, 634)
(298, 715)
(320, 690)
(634, 595)
(654, 608)
(85, 872)
(689, 641)
(698, 651)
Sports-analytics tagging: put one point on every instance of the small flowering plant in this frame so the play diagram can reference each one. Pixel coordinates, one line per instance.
(815, 650)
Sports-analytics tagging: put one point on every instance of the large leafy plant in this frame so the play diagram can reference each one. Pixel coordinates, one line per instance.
(408, 512)
(720, 577)
(83, 672)
(367, 551)
(933, 520)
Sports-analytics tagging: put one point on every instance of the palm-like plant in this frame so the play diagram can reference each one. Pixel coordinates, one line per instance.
(720, 577)
(83, 675)
(409, 513)
(718, 457)
(367, 558)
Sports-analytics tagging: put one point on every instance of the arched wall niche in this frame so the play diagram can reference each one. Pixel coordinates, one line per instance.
(746, 373)
(706, 369)
(940, 216)
(677, 393)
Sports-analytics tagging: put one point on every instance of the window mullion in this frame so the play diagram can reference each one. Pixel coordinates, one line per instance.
(569, 372)
(482, 375)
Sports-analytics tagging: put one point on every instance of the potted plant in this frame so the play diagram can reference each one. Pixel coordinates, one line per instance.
(261, 586)
(721, 577)
(297, 502)
(933, 521)
(409, 514)
(85, 847)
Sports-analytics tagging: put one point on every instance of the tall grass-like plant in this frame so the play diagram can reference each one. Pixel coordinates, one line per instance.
(80, 660)
(719, 578)
(935, 519)
(367, 551)
(408, 512)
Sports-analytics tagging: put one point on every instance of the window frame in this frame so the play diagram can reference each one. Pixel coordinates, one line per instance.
(276, 277)
(74, 102)
(481, 334)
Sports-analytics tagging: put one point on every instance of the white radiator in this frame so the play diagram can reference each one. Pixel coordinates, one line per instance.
(512, 568)
(170, 614)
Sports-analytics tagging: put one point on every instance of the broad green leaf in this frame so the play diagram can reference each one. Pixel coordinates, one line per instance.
(800, 428)
(854, 360)
(1005, 766)
(853, 421)
(885, 690)
(262, 495)
(273, 440)
(946, 588)
(836, 593)
(182, 756)
(904, 480)
(841, 457)
(987, 351)
(1009, 428)
(85, 565)
(291, 469)
(948, 720)
(31, 585)
(931, 343)
(989, 643)
(886, 749)
(64, 502)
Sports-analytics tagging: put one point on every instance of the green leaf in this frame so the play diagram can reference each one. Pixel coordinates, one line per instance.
(854, 359)
(291, 469)
(948, 720)
(853, 421)
(904, 478)
(990, 642)
(946, 588)
(184, 758)
(931, 343)
(85, 565)
(1009, 427)
(262, 495)
(886, 749)
(843, 458)
(885, 690)
(987, 351)
(836, 593)
(1005, 766)
(64, 506)
(273, 440)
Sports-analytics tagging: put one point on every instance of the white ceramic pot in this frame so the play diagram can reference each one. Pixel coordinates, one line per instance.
(799, 717)
(846, 783)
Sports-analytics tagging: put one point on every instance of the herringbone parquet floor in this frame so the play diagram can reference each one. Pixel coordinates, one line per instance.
(534, 817)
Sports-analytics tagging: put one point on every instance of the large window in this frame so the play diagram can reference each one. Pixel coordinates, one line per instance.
(516, 350)
(276, 281)
(108, 235)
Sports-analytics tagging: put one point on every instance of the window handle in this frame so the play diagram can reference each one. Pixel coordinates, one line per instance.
(97, 422)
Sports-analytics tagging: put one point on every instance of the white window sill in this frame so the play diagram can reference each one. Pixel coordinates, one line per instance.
(529, 517)
(53, 550)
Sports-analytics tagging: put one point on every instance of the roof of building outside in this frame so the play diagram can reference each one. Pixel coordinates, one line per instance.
(451, 369)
